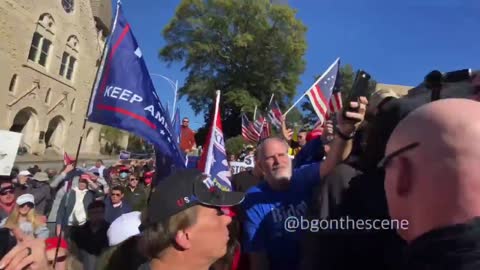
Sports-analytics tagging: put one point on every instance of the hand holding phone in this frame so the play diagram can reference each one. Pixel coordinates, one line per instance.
(359, 89)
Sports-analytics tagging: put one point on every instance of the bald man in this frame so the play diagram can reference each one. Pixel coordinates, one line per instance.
(432, 179)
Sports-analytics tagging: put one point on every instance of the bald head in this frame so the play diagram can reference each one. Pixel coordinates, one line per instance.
(437, 183)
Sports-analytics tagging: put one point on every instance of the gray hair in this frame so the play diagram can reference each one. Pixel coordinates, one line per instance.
(262, 143)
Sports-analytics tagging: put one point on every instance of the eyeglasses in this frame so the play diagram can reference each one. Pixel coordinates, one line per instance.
(29, 204)
(116, 194)
(133, 179)
(6, 191)
(388, 158)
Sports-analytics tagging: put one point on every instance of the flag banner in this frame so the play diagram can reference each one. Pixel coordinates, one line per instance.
(262, 126)
(238, 167)
(321, 91)
(124, 155)
(9, 144)
(275, 115)
(67, 160)
(335, 104)
(125, 98)
(249, 133)
(213, 161)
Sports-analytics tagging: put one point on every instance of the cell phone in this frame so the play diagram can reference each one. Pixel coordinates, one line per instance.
(359, 89)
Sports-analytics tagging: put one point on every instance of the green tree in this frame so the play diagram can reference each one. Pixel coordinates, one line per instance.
(347, 75)
(248, 49)
(234, 145)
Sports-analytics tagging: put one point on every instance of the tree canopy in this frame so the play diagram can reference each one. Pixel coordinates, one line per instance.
(248, 49)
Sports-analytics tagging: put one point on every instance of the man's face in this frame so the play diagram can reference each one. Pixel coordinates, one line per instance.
(116, 196)
(82, 184)
(22, 179)
(209, 235)
(133, 181)
(96, 215)
(302, 138)
(275, 162)
(185, 122)
(7, 195)
(98, 164)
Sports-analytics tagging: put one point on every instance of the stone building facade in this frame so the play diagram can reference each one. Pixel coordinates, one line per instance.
(49, 55)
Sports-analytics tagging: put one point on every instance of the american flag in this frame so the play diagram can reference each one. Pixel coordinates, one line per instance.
(249, 132)
(321, 91)
(335, 104)
(275, 115)
(262, 126)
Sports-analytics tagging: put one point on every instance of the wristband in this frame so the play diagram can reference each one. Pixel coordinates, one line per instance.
(343, 136)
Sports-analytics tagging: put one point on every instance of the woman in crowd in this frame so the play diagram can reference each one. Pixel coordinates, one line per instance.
(26, 219)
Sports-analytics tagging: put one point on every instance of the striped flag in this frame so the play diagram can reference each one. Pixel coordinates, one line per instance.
(321, 91)
(67, 160)
(263, 127)
(249, 132)
(335, 104)
(275, 115)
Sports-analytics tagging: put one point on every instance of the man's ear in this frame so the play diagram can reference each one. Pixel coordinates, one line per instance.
(182, 239)
(405, 173)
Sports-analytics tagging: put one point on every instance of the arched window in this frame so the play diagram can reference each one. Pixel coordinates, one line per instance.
(68, 5)
(69, 58)
(13, 83)
(41, 41)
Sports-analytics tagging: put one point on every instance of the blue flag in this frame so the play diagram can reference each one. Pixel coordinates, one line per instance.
(125, 98)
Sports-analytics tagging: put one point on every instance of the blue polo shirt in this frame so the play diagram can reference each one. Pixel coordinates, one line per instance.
(266, 211)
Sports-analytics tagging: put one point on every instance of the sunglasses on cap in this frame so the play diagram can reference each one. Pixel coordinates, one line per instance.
(6, 191)
(29, 204)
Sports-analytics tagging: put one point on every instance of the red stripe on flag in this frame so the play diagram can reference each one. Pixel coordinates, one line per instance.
(316, 97)
(129, 113)
(110, 56)
(321, 95)
(122, 36)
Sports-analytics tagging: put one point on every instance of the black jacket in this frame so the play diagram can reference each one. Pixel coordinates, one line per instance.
(455, 247)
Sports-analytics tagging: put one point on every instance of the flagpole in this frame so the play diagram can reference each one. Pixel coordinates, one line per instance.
(254, 112)
(270, 102)
(174, 99)
(306, 92)
(103, 55)
(212, 136)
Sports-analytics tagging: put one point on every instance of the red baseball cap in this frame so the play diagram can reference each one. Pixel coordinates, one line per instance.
(314, 134)
(52, 242)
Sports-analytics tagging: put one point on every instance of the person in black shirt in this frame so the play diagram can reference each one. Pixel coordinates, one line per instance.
(91, 238)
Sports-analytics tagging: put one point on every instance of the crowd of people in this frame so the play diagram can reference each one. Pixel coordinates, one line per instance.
(411, 158)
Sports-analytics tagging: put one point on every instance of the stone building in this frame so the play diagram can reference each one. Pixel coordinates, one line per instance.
(400, 90)
(49, 55)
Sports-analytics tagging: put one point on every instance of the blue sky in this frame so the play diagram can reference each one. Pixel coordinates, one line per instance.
(398, 42)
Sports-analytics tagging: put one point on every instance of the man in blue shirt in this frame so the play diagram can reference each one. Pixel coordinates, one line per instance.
(286, 193)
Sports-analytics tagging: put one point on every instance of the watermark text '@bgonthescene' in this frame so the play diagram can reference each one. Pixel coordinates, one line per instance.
(293, 224)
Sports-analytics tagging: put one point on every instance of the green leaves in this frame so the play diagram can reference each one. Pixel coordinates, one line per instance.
(248, 49)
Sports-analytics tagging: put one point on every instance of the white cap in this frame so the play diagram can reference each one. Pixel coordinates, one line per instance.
(25, 198)
(24, 173)
(124, 227)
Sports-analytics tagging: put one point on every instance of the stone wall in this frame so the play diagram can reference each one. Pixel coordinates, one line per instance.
(48, 108)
